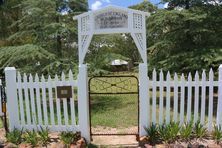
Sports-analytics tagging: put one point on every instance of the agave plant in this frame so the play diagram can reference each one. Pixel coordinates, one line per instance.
(153, 134)
(174, 129)
(186, 131)
(169, 132)
(31, 137)
(44, 136)
(15, 136)
(164, 131)
(217, 134)
(200, 131)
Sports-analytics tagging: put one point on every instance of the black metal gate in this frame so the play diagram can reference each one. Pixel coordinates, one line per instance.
(114, 105)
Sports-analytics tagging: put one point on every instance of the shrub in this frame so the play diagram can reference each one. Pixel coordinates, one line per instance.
(14, 136)
(153, 134)
(31, 137)
(44, 136)
(200, 131)
(174, 130)
(165, 133)
(217, 134)
(169, 132)
(70, 137)
(186, 131)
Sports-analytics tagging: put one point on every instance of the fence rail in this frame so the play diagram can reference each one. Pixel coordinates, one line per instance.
(181, 99)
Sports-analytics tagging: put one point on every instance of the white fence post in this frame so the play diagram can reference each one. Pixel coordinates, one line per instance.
(219, 104)
(144, 100)
(83, 102)
(12, 100)
(1, 113)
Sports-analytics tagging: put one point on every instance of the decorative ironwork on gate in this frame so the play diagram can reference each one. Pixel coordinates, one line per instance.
(114, 85)
(114, 105)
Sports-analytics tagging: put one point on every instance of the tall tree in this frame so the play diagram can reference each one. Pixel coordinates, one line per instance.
(47, 25)
(190, 3)
(176, 46)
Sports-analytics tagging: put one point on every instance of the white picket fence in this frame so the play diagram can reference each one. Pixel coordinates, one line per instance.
(1, 113)
(182, 99)
(32, 102)
(38, 101)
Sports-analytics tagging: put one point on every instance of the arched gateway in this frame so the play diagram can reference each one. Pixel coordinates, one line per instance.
(109, 20)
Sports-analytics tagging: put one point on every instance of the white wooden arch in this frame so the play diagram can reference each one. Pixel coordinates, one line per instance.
(109, 20)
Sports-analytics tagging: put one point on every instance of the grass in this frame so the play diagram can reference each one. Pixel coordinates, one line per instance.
(114, 111)
(1, 123)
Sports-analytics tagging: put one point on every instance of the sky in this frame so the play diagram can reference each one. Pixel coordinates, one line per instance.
(97, 4)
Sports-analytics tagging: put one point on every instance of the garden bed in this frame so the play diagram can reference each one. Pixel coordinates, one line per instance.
(52, 140)
(188, 135)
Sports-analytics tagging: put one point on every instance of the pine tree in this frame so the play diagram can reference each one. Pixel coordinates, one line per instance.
(45, 25)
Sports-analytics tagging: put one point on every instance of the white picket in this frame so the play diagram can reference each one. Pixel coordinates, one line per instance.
(1, 113)
(196, 99)
(182, 100)
(168, 98)
(58, 102)
(51, 106)
(45, 112)
(154, 97)
(189, 88)
(32, 100)
(27, 104)
(161, 99)
(148, 102)
(203, 96)
(20, 96)
(65, 110)
(175, 106)
(72, 102)
(210, 109)
(38, 99)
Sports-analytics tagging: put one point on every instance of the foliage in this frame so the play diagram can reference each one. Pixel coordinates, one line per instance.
(153, 134)
(186, 131)
(45, 26)
(31, 137)
(15, 136)
(217, 134)
(69, 137)
(174, 130)
(169, 132)
(200, 131)
(44, 136)
(189, 36)
(190, 3)
(17, 56)
(145, 6)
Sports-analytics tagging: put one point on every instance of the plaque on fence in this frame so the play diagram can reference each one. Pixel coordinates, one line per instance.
(111, 19)
(64, 91)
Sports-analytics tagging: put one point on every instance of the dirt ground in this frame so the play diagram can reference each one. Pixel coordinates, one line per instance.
(115, 141)
(110, 130)
(2, 136)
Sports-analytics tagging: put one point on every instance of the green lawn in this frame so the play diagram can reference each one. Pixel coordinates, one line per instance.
(1, 123)
(114, 111)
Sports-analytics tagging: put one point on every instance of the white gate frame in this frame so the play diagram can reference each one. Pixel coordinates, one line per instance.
(136, 27)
